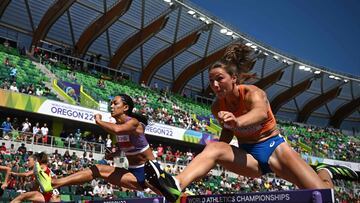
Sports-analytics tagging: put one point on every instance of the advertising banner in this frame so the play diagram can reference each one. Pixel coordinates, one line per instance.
(293, 196)
(166, 131)
(71, 89)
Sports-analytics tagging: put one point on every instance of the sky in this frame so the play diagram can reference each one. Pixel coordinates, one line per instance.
(323, 32)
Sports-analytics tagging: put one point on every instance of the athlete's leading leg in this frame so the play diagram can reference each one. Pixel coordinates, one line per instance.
(115, 176)
(232, 158)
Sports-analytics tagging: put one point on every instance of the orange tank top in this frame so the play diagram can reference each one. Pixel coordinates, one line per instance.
(259, 130)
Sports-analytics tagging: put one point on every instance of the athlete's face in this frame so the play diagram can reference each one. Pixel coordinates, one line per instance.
(118, 107)
(221, 82)
(31, 162)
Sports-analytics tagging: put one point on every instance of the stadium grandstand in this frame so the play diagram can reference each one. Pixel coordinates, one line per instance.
(61, 62)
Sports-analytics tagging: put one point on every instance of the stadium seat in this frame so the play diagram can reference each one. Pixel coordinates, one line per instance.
(65, 198)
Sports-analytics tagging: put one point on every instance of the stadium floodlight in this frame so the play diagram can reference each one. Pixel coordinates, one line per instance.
(248, 44)
(223, 31)
(289, 62)
(191, 12)
(266, 54)
(337, 78)
(317, 72)
(284, 61)
(167, 1)
(331, 76)
(208, 21)
(229, 33)
(254, 46)
(276, 57)
(202, 18)
(235, 37)
(346, 80)
(302, 67)
(307, 69)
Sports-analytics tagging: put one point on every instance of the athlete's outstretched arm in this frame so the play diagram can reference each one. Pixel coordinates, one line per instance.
(26, 174)
(112, 128)
(7, 175)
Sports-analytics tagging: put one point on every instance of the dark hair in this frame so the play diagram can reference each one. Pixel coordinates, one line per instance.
(126, 99)
(41, 157)
(236, 60)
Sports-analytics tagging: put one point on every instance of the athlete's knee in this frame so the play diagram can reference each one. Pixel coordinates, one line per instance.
(215, 149)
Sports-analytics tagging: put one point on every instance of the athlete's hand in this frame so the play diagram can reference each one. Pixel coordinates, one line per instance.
(98, 118)
(227, 119)
(4, 186)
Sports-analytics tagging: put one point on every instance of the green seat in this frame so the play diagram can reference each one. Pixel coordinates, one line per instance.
(65, 198)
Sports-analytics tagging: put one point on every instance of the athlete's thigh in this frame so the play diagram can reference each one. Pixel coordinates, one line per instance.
(120, 177)
(288, 164)
(238, 161)
(34, 196)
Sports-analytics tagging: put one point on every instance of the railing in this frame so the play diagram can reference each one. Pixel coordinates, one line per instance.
(76, 61)
(51, 141)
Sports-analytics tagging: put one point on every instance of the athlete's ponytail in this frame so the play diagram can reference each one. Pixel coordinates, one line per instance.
(126, 99)
(237, 61)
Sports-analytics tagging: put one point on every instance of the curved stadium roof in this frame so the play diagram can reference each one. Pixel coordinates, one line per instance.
(172, 42)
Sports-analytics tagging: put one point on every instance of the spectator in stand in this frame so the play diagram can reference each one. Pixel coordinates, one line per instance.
(6, 44)
(5, 85)
(13, 73)
(12, 149)
(13, 87)
(7, 62)
(108, 191)
(22, 149)
(97, 190)
(108, 143)
(189, 156)
(36, 132)
(78, 135)
(6, 127)
(26, 126)
(2, 148)
(39, 91)
(101, 83)
(46, 92)
(160, 151)
(44, 133)
(30, 89)
(156, 86)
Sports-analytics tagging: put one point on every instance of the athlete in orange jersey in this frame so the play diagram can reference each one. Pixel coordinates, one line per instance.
(244, 112)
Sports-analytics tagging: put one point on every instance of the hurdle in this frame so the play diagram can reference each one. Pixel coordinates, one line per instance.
(286, 196)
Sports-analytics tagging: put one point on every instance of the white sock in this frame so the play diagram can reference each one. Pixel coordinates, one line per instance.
(177, 183)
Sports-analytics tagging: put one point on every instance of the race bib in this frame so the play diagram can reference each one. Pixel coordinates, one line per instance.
(124, 142)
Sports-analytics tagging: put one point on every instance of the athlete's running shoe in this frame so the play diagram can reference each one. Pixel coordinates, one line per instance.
(42, 178)
(162, 181)
(338, 172)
